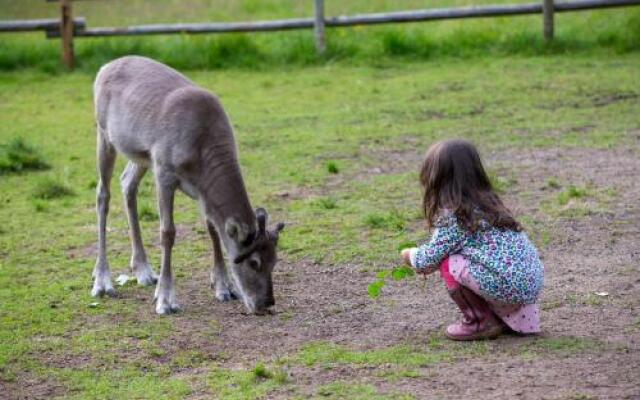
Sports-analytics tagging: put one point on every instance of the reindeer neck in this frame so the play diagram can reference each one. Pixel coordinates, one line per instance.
(223, 193)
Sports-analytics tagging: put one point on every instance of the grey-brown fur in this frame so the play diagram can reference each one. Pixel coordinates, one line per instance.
(162, 121)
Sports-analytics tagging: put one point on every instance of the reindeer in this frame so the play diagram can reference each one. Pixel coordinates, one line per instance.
(162, 121)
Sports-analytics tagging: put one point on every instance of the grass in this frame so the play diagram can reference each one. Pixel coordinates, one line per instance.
(571, 192)
(352, 114)
(392, 220)
(17, 156)
(332, 167)
(326, 354)
(147, 213)
(241, 385)
(327, 203)
(49, 189)
(501, 184)
(577, 201)
(123, 383)
(603, 32)
(552, 183)
(349, 390)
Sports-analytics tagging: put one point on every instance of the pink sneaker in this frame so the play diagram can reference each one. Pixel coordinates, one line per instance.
(478, 321)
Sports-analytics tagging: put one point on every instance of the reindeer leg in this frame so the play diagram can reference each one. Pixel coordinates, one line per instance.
(165, 297)
(130, 179)
(219, 279)
(102, 276)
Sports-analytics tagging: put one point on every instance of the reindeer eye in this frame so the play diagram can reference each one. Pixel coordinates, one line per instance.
(253, 263)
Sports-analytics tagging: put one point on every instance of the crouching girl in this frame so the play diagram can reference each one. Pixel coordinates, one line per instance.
(490, 268)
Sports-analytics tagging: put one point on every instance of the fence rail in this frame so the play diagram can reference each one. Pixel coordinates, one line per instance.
(68, 28)
(351, 20)
(33, 25)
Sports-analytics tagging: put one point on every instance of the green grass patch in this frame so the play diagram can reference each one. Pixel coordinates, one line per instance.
(49, 189)
(602, 32)
(501, 184)
(17, 156)
(127, 383)
(395, 375)
(356, 46)
(355, 391)
(261, 372)
(332, 167)
(392, 220)
(552, 183)
(577, 201)
(356, 114)
(572, 192)
(327, 203)
(241, 385)
(147, 213)
(326, 354)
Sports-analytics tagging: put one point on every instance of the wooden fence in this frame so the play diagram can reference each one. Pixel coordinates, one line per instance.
(68, 27)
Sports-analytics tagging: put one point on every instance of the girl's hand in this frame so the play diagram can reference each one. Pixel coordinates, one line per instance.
(406, 256)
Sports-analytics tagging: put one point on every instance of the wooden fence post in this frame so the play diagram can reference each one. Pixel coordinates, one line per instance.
(66, 33)
(547, 11)
(318, 26)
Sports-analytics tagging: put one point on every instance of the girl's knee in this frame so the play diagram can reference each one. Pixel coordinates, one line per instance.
(446, 275)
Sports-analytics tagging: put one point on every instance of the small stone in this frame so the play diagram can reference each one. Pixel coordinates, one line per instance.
(123, 279)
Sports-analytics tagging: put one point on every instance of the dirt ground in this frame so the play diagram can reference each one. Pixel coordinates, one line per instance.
(591, 253)
(588, 254)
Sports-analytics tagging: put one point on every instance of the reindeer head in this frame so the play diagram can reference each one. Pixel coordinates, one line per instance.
(253, 260)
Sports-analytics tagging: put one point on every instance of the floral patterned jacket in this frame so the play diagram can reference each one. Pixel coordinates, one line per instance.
(503, 262)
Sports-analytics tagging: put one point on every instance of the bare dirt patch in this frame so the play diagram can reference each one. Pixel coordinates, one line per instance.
(585, 254)
(28, 386)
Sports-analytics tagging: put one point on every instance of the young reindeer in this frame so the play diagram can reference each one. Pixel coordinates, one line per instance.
(162, 121)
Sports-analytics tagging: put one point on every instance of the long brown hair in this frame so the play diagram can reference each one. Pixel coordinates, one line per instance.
(452, 177)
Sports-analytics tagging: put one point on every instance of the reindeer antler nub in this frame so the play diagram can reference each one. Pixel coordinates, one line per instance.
(261, 216)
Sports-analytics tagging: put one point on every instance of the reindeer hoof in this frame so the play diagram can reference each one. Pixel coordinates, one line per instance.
(147, 279)
(100, 292)
(165, 302)
(103, 287)
(226, 295)
(166, 309)
(145, 275)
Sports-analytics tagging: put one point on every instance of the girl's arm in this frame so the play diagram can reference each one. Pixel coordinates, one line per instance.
(445, 240)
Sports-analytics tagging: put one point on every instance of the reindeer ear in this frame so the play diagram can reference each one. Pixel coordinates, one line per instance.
(261, 216)
(232, 228)
(275, 235)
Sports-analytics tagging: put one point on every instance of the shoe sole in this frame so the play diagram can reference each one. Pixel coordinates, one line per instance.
(485, 335)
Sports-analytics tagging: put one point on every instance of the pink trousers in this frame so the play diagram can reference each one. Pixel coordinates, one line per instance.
(522, 318)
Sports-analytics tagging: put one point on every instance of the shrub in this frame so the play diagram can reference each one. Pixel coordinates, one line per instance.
(17, 155)
(572, 192)
(48, 189)
(260, 371)
(394, 220)
(328, 203)
(332, 167)
(147, 214)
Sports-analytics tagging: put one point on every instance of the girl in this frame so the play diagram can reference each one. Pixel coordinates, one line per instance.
(489, 266)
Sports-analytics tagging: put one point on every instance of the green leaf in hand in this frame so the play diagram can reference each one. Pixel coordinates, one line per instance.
(374, 288)
(406, 245)
(398, 273)
(402, 272)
